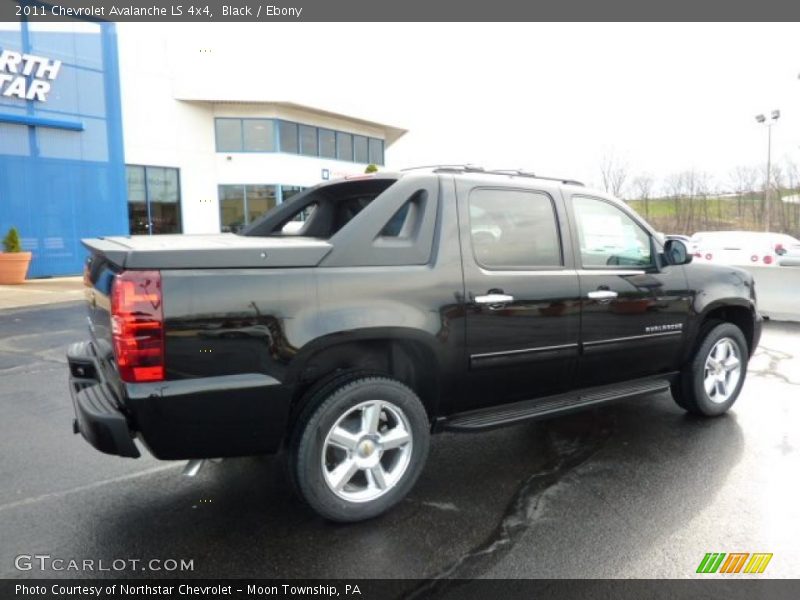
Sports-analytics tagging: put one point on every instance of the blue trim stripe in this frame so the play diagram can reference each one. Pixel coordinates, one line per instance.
(41, 122)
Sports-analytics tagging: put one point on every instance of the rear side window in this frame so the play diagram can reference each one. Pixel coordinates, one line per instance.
(513, 229)
(405, 222)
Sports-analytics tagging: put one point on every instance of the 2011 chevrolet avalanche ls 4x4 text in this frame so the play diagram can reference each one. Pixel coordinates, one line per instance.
(348, 324)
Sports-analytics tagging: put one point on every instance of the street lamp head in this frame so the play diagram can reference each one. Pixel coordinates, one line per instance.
(776, 114)
(760, 118)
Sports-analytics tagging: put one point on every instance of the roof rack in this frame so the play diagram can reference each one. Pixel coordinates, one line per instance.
(477, 169)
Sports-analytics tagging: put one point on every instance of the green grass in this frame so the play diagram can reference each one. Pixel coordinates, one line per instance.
(690, 215)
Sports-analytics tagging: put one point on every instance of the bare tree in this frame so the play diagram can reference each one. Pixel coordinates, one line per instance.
(740, 182)
(643, 188)
(674, 188)
(614, 173)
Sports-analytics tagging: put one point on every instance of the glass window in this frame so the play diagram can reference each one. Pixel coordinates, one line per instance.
(258, 135)
(231, 207)
(288, 137)
(512, 229)
(308, 140)
(361, 154)
(344, 146)
(375, 151)
(229, 135)
(395, 224)
(608, 236)
(287, 191)
(327, 143)
(259, 199)
(163, 198)
(162, 184)
(153, 200)
(137, 201)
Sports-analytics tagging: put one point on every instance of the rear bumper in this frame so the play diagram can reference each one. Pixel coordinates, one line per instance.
(98, 417)
(207, 417)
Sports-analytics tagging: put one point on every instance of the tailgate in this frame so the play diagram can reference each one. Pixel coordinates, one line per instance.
(98, 276)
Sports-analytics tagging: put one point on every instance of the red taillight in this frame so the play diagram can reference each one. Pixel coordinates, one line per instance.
(767, 260)
(137, 325)
(709, 256)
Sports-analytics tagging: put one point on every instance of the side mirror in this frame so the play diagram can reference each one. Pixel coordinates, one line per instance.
(676, 253)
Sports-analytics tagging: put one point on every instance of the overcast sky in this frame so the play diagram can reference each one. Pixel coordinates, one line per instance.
(551, 98)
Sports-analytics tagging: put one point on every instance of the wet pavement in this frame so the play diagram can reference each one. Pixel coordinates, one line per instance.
(634, 489)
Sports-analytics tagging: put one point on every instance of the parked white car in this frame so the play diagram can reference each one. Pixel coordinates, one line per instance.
(746, 248)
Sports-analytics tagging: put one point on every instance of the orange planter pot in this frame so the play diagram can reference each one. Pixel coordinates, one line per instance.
(14, 267)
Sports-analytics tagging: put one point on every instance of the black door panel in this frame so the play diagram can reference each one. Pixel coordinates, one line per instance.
(522, 302)
(632, 317)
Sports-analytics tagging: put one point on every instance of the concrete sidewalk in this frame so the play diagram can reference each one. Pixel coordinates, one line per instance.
(36, 292)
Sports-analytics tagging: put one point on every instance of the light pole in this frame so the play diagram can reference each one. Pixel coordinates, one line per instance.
(775, 115)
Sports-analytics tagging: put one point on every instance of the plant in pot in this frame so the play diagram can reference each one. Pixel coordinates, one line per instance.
(13, 261)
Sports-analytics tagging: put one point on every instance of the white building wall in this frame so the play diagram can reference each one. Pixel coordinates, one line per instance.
(161, 130)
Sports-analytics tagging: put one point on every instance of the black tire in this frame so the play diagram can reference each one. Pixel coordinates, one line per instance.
(346, 397)
(689, 389)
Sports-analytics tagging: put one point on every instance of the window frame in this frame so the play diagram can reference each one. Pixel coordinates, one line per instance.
(519, 268)
(651, 266)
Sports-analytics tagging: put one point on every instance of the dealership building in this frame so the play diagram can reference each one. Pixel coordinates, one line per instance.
(111, 130)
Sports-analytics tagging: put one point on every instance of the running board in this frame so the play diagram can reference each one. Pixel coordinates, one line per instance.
(506, 414)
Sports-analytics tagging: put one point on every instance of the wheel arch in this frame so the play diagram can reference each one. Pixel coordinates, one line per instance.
(737, 311)
(408, 355)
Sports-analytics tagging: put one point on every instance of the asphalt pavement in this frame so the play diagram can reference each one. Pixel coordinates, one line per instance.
(634, 489)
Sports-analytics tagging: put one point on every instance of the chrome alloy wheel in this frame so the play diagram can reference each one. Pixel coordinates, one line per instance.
(722, 371)
(367, 451)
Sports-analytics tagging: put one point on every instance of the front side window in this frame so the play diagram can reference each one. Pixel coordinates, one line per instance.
(608, 236)
(513, 229)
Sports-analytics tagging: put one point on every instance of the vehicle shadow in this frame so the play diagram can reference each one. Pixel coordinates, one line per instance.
(477, 496)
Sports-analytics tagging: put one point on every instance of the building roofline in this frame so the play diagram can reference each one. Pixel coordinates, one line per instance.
(392, 132)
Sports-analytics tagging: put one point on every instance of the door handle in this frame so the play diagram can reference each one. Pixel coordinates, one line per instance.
(494, 299)
(602, 295)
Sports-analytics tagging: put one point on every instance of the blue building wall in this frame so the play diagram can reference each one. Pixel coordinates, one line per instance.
(62, 169)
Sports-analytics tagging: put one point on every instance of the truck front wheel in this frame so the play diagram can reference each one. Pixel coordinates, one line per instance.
(710, 383)
(360, 447)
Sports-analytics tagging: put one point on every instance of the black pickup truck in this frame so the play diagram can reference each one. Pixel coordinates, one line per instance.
(351, 322)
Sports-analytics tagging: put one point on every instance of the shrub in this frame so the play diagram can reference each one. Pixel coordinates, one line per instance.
(371, 169)
(11, 242)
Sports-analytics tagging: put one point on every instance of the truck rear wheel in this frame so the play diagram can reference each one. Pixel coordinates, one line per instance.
(710, 383)
(359, 447)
